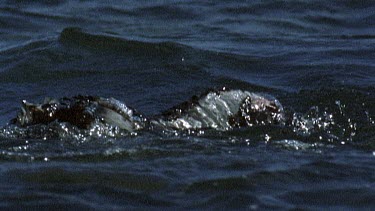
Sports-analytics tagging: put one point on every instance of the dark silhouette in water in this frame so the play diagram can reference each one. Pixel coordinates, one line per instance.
(81, 111)
(221, 110)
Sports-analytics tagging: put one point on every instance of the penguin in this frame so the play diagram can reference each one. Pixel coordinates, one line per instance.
(219, 110)
(80, 111)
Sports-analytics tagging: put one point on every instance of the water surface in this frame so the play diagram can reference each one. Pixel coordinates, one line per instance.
(316, 57)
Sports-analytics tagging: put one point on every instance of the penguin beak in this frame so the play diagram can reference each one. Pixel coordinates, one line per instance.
(25, 116)
(24, 107)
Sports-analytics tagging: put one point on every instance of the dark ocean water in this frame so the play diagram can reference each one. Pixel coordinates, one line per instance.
(316, 57)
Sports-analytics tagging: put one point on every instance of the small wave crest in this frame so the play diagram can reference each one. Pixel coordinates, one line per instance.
(77, 36)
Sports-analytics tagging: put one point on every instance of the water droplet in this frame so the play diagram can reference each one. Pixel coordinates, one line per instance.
(267, 137)
(253, 207)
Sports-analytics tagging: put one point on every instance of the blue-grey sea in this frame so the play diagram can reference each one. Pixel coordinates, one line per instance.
(316, 57)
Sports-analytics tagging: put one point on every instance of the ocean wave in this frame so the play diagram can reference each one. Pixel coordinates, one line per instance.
(277, 6)
(168, 12)
(78, 53)
(42, 2)
(100, 42)
(31, 16)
